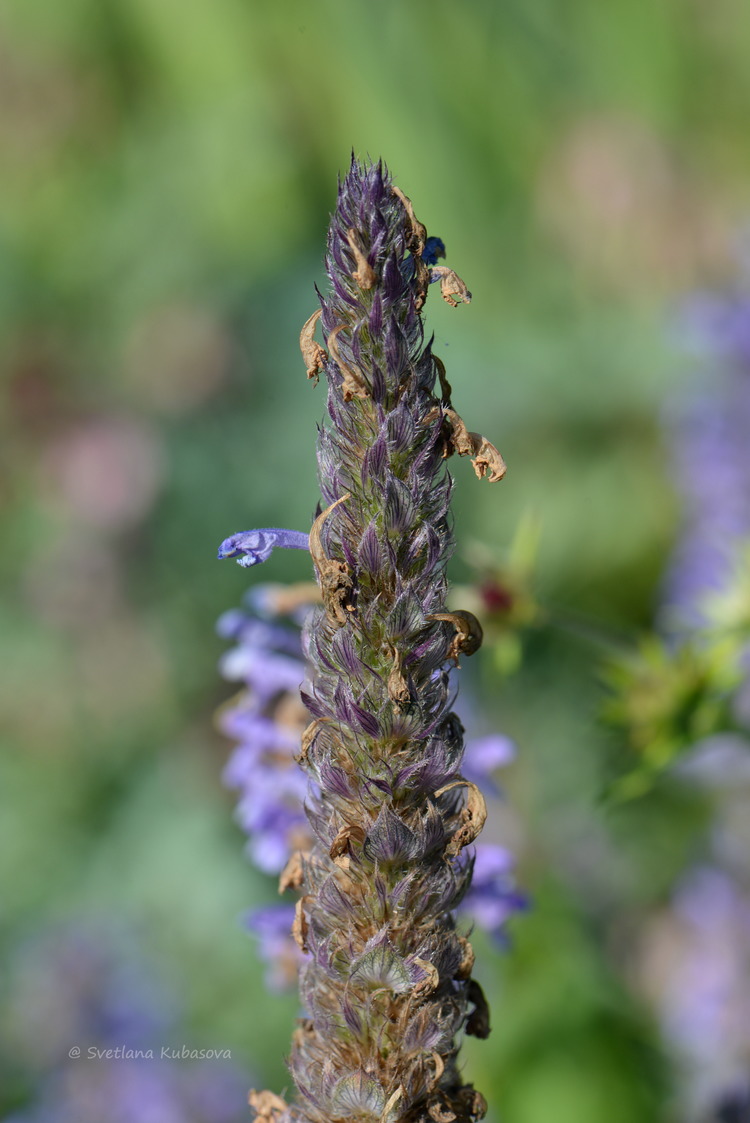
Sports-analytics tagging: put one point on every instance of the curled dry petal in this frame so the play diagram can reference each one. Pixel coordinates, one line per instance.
(364, 274)
(418, 232)
(415, 242)
(398, 690)
(468, 635)
(267, 1106)
(439, 1068)
(309, 734)
(486, 456)
(473, 817)
(342, 844)
(299, 927)
(466, 966)
(451, 286)
(440, 1111)
(431, 979)
(473, 1104)
(353, 385)
(391, 1103)
(488, 461)
(336, 584)
(313, 354)
(292, 875)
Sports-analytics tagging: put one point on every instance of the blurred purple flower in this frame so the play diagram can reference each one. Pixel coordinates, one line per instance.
(84, 988)
(272, 926)
(699, 954)
(709, 429)
(493, 896)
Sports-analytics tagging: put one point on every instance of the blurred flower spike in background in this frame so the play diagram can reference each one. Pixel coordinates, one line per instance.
(692, 679)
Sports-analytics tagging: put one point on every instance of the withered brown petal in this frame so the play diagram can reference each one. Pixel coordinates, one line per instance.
(336, 584)
(354, 385)
(440, 1112)
(473, 816)
(266, 1105)
(466, 966)
(364, 274)
(431, 980)
(398, 690)
(468, 636)
(292, 874)
(451, 286)
(299, 926)
(488, 460)
(313, 354)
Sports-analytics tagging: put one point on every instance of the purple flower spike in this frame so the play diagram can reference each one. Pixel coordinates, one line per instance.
(385, 979)
(251, 547)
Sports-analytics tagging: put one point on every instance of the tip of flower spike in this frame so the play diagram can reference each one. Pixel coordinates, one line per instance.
(251, 547)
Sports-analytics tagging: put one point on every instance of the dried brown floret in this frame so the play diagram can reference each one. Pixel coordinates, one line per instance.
(472, 1104)
(364, 274)
(293, 873)
(488, 461)
(391, 1103)
(313, 354)
(308, 736)
(468, 635)
(415, 243)
(299, 925)
(341, 847)
(418, 233)
(353, 385)
(473, 817)
(398, 690)
(466, 966)
(267, 1106)
(451, 286)
(439, 1063)
(336, 584)
(430, 981)
(439, 1110)
(486, 457)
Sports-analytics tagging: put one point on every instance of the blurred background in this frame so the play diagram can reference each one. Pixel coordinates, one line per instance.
(168, 174)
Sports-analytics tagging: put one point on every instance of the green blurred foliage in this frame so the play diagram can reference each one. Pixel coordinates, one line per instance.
(668, 694)
(168, 174)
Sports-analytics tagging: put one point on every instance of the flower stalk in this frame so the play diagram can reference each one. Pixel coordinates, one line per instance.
(386, 982)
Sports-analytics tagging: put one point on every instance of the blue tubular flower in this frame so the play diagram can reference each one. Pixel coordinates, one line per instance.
(251, 547)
